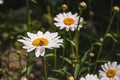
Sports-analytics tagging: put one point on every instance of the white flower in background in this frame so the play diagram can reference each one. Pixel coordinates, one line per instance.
(1, 1)
(111, 71)
(90, 77)
(40, 41)
(68, 21)
(23, 78)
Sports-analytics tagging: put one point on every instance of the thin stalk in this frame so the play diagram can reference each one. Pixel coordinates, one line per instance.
(118, 21)
(70, 36)
(55, 60)
(108, 29)
(77, 37)
(116, 32)
(63, 55)
(77, 44)
(28, 26)
(110, 23)
(28, 14)
(27, 65)
(111, 7)
(44, 68)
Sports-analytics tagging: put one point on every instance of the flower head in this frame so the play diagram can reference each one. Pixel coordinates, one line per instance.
(70, 78)
(111, 71)
(82, 6)
(116, 8)
(1, 1)
(40, 41)
(68, 21)
(90, 77)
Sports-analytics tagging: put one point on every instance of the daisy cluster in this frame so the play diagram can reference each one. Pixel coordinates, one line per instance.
(40, 40)
(110, 71)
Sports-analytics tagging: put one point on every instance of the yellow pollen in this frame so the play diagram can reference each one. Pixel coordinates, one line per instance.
(40, 42)
(111, 73)
(68, 21)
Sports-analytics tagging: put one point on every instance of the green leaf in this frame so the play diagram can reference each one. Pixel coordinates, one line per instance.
(76, 72)
(111, 36)
(83, 69)
(49, 55)
(118, 54)
(52, 78)
(23, 71)
(101, 61)
(97, 43)
(66, 59)
(83, 59)
(29, 69)
(72, 42)
(59, 72)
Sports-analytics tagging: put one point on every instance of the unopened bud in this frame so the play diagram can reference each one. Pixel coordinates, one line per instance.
(70, 78)
(116, 9)
(64, 7)
(92, 54)
(82, 6)
(12, 37)
(23, 78)
(101, 39)
(91, 13)
(5, 35)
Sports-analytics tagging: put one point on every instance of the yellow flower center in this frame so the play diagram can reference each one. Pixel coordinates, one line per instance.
(68, 21)
(40, 42)
(111, 73)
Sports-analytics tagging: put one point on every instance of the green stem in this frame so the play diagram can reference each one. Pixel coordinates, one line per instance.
(70, 36)
(110, 23)
(100, 49)
(28, 14)
(77, 44)
(55, 60)
(77, 37)
(118, 21)
(44, 68)
(28, 25)
(27, 75)
(111, 7)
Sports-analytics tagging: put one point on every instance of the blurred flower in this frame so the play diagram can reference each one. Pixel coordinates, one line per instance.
(41, 41)
(116, 8)
(68, 21)
(1, 1)
(92, 54)
(91, 13)
(82, 6)
(101, 39)
(90, 77)
(111, 71)
(23, 78)
(70, 78)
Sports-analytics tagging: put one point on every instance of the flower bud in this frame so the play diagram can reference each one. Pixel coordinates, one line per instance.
(116, 9)
(64, 7)
(101, 39)
(82, 6)
(92, 54)
(70, 78)
(91, 13)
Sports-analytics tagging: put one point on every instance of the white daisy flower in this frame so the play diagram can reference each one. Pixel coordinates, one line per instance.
(68, 21)
(111, 71)
(1, 1)
(40, 41)
(90, 77)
